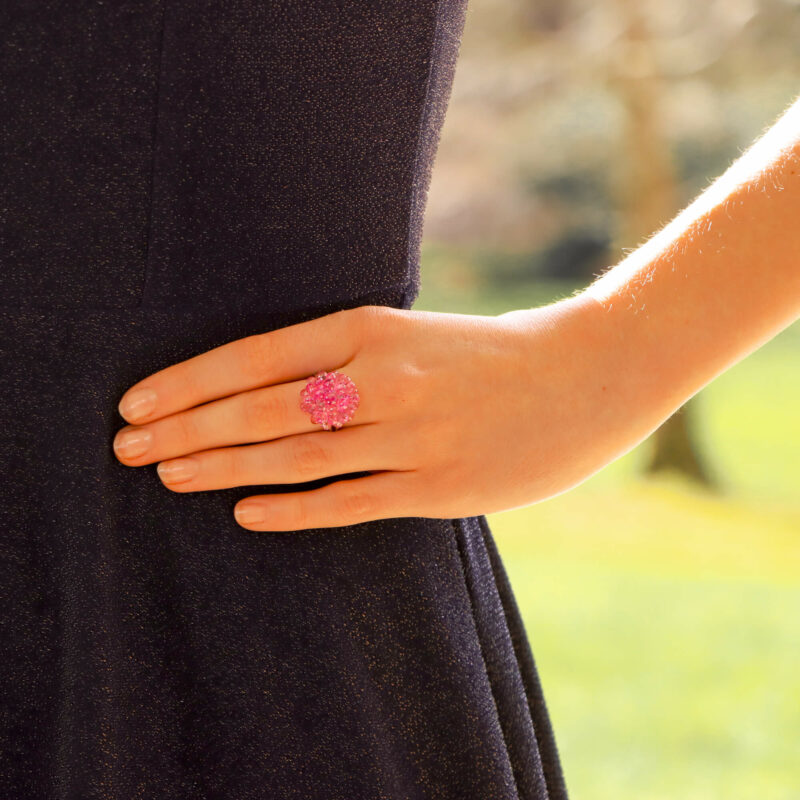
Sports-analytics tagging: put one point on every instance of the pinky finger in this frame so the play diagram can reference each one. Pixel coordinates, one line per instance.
(380, 495)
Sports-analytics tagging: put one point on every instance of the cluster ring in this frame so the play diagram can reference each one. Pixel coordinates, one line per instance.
(330, 399)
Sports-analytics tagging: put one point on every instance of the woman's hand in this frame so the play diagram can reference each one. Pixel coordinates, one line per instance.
(459, 415)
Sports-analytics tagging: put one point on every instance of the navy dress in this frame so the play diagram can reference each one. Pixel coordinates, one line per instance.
(177, 175)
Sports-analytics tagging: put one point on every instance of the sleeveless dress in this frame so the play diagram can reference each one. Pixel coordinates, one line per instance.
(177, 175)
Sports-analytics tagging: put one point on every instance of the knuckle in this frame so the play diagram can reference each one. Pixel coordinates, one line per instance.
(362, 322)
(428, 445)
(366, 315)
(297, 515)
(264, 411)
(356, 504)
(370, 321)
(188, 380)
(258, 355)
(186, 432)
(309, 458)
(447, 433)
(404, 388)
(233, 464)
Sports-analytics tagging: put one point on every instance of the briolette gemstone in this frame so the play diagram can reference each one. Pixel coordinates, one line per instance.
(330, 398)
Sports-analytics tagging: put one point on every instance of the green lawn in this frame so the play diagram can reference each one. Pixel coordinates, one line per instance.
(665, 620)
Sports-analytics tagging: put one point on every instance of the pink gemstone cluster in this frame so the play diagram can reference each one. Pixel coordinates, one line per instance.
(330, 398)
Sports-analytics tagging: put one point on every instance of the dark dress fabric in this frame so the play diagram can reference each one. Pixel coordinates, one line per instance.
(177, 175)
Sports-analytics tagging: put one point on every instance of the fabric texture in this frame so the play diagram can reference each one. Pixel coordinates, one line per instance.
(175, 176)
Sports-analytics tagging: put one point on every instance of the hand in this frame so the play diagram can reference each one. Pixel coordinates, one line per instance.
(459, 415)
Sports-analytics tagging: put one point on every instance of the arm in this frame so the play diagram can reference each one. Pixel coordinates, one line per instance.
(717, 282)
(465, 414)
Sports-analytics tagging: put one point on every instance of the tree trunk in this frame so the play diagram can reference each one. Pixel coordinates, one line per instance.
(649, 199)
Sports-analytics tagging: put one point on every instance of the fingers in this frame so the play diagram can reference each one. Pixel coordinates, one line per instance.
(252, 416)
(383, 495)
(290, 353)
(293, 459)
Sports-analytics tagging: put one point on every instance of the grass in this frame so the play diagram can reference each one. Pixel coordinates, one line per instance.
(665, 619)
(665, 628)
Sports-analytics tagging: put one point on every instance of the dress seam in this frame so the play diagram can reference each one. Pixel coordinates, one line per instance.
(554, 780)
(462, 558)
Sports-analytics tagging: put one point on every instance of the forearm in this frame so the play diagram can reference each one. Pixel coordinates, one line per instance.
(712, 286)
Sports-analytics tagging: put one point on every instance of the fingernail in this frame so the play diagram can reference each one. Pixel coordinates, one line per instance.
(248, 514)
(178, 470)
(137, 404)
(133, 443)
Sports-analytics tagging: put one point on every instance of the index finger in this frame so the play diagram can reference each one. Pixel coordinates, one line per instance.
(285, 354)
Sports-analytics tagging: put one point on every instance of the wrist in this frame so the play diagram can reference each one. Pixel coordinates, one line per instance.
(568, 356)
(593, 355)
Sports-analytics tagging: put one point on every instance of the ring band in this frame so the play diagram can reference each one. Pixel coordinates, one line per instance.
(330, 399)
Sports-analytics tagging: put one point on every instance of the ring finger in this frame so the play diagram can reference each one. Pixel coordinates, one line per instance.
(251, 416)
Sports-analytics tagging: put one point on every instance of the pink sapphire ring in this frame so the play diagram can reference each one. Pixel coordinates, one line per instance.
(330, 399)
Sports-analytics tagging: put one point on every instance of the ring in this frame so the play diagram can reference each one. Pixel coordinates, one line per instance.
(330, 399)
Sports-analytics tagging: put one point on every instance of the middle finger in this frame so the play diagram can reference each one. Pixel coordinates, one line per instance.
(252, 416)
(290, 459)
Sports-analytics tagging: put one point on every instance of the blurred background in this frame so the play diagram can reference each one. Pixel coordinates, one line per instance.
(662, 595)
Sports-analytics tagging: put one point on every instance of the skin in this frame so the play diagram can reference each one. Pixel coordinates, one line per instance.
(462, 415)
